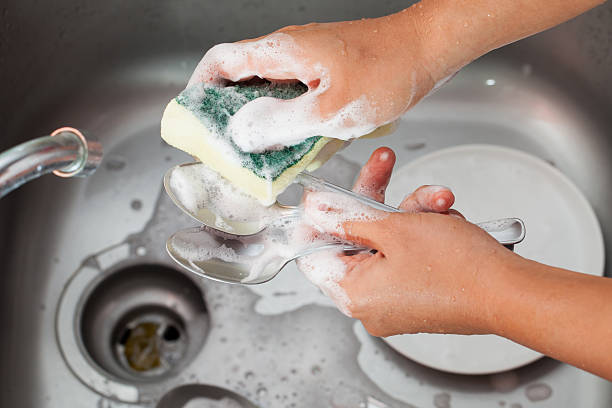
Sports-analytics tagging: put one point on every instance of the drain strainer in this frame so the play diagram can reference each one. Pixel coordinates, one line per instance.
(150, 342)
(126, 332)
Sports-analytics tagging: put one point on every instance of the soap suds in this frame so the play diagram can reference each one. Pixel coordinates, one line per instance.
(266, 122)
(198, 187)
(325, 270)
(328, 211)
(257, 257)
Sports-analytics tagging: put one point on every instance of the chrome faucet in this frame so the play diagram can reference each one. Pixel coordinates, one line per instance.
(65, 153)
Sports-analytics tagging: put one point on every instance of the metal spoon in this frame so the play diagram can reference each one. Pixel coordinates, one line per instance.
(256, 258)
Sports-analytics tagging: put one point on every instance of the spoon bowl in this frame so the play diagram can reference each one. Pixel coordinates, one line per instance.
(193, 199)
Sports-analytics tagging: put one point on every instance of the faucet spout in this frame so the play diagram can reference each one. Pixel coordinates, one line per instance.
(65, 153)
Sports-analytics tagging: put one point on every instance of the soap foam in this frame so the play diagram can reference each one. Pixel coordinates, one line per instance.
(326, 269)
(198, 187)
(266, 122)
(204, 249)
(328, 211)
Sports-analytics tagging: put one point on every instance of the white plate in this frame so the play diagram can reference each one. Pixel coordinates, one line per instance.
(495, 182)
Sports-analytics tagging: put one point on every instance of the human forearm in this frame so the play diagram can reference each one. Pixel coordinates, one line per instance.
(563, 314)
(456, 32)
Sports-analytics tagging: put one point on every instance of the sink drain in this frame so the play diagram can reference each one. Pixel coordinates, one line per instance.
(143, 323)
(130, 331)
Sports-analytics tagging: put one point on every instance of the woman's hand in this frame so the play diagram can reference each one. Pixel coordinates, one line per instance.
(360, 75)
(431, 273)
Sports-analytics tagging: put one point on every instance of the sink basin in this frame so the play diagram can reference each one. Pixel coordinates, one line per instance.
(109, 68)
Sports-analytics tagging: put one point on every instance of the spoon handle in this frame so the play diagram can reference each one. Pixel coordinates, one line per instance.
(308, 180)
(507, 231)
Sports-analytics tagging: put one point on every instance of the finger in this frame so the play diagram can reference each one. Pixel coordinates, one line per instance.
(270, 122)
(346, 218)
(267, 122)
(375, 175)
(429, 199)
(275, 56)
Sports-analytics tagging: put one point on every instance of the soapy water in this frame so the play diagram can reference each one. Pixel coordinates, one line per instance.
(266, 122)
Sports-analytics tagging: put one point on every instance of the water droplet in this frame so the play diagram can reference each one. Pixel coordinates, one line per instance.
(504, 382)
(415, 146)
(141, 251)
(490, 82)
(136, 205)
(538, 392)
(262, 392)
(249, 375)
(442, 400)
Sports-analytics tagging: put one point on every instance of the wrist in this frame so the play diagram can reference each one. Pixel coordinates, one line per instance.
(497, 289)
(451, 35)
(505, 295)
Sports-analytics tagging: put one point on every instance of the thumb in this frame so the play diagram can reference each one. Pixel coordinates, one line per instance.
(271, 122)
(268, 122)
(344, 217)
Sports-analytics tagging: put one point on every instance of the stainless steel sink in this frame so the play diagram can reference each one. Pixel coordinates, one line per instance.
(109, 68)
